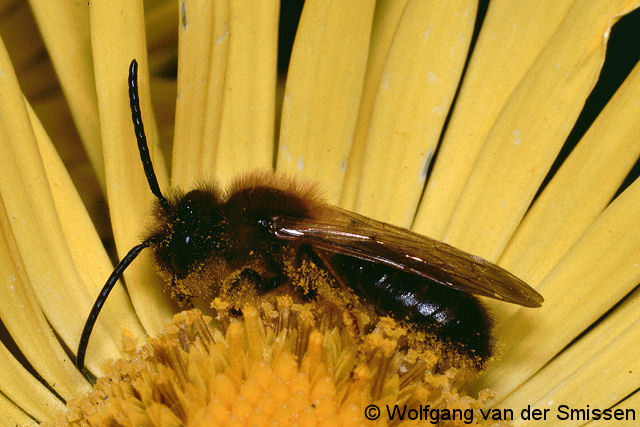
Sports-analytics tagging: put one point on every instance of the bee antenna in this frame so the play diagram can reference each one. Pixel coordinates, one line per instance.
(138, 127)
(104, 293)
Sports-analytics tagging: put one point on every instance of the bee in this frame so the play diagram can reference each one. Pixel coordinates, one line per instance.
(263, 224)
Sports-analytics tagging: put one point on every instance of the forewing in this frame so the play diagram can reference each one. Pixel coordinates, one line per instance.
(348, 233)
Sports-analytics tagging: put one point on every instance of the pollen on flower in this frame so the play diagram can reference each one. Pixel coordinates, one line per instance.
(279, 363)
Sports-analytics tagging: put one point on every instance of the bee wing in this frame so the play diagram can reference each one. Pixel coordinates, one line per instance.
(348, 233)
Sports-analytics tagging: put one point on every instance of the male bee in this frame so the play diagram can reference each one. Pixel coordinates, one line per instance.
(262, 225)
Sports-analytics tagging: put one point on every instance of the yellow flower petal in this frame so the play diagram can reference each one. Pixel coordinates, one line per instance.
(420, 78)
(163, 98)
(70, 52)
(25, 322)
(600, 361)
(531, 129)
(20, 386)
(13, 415)
(386, 17)
(52, 110)
(160, 18)
(39, 79)
(217, 81)
(510, 40)
(33, 220)
(197, 103)
(20, 35)
(581, 189)
(117, 36)
(600, 269)
(248, 111)
(632, 402)
(323, 91)
(613, 372)
(86, 250)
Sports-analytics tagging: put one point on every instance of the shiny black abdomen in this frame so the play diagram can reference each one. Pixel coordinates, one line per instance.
(453, 316)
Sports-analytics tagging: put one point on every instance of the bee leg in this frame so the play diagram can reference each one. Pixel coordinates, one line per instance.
(183, 298)
(250, 276)
(309, 291)
(324, 260)
(262, 282)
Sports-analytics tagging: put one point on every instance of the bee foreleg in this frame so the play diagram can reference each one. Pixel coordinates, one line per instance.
(262, 280)
(181, 294)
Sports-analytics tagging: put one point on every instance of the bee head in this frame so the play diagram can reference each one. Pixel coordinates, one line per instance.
(190, 228)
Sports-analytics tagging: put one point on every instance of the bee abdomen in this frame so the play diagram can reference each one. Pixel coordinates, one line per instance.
(453, 316)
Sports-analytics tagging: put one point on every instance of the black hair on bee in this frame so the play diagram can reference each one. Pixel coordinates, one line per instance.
(263, 224)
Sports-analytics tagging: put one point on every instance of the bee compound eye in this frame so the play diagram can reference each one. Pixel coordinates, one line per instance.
(178, 264)
(182, 253)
